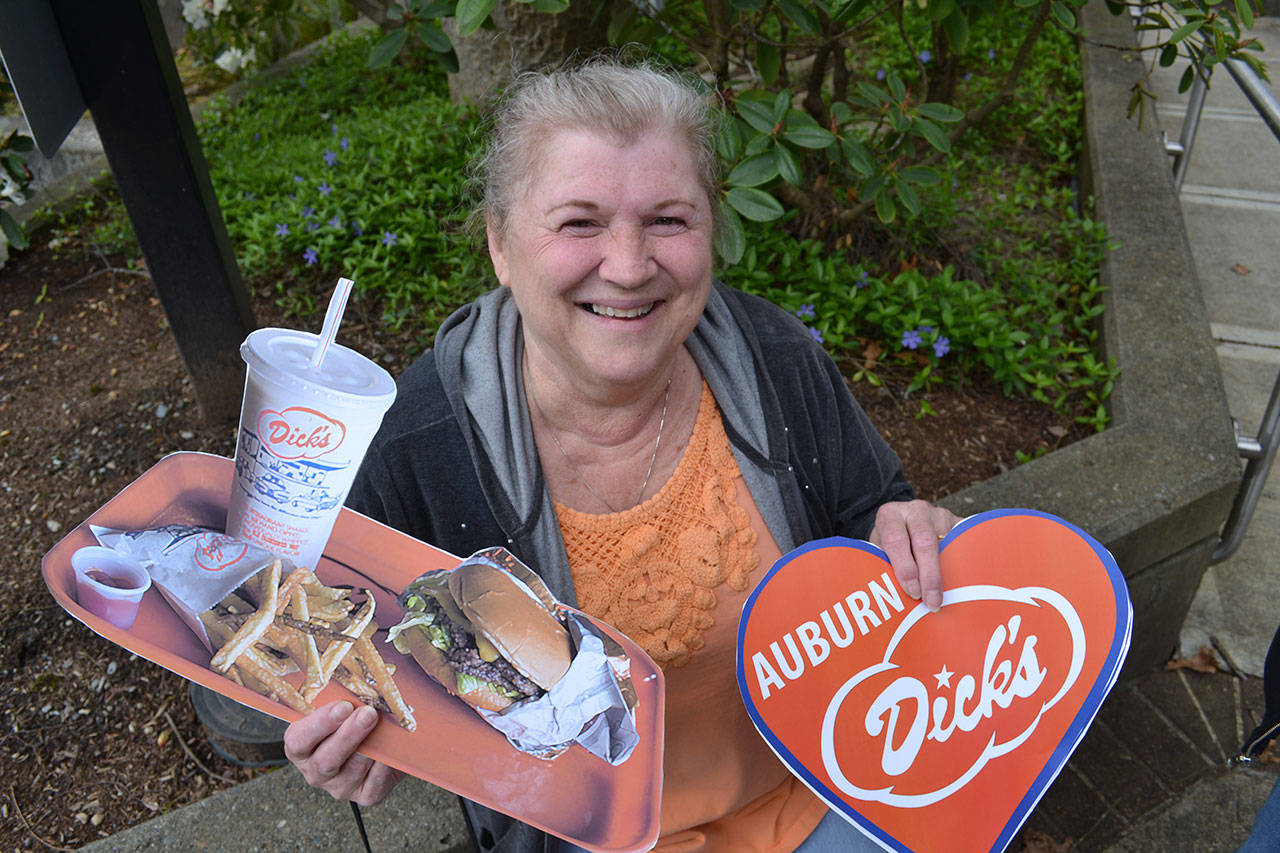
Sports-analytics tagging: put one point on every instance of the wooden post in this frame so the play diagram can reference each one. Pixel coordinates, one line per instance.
(126, 73)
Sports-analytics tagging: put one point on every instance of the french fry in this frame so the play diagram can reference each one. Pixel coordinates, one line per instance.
(302, 625)
(280, 689)
(377, 670)
(254, 627)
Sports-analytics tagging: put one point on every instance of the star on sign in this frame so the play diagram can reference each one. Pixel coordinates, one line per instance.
(944, 677)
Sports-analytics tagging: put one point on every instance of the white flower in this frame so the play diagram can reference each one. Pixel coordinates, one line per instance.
(11, 189)
(219, 5)
(230, 60)
(193, 14)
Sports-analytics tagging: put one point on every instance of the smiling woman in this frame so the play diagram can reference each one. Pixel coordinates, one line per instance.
(643, 436)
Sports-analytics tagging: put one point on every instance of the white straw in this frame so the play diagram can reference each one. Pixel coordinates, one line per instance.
(332, 317)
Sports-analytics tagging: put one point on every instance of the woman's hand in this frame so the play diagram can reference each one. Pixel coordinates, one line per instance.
(909, 532)
(322, 745)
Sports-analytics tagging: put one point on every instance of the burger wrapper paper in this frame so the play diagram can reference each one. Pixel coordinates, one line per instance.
(592, 705)
(193, 567)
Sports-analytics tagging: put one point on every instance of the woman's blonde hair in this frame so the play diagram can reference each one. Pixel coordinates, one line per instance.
(604, 95)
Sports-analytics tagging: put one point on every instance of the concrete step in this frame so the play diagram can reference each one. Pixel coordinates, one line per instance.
(1236, 259)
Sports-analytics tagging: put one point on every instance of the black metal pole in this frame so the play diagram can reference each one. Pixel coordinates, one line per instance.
(126, 73)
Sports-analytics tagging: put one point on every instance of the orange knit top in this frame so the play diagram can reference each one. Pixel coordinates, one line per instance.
(673, 574)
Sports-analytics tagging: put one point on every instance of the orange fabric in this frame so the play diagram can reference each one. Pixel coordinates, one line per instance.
(673, 574)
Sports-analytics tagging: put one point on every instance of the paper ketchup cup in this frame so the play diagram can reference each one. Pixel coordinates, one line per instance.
(303, 433)
(109, 584)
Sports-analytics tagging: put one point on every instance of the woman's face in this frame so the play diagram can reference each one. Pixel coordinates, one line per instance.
(608, 256)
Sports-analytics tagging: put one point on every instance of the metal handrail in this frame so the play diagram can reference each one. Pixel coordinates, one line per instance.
(1260, 450)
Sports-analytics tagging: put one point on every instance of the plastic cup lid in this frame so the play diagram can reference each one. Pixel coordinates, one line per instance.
(283, 356)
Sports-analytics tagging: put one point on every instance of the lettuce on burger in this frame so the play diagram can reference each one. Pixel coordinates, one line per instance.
(481, 634)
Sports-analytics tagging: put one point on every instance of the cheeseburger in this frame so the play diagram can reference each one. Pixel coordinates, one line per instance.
(481, 634)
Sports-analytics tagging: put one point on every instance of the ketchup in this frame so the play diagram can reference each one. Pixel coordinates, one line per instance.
(109, 580)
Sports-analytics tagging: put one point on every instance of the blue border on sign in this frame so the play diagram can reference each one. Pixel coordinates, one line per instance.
(1070, 738)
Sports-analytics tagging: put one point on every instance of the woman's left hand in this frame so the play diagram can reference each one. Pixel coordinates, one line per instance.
(909, 532)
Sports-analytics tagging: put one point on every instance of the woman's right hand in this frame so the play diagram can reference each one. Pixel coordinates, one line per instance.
(323, 744)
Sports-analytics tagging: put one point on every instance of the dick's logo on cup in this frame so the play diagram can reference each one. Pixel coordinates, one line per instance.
(935, 730)
(299, 433)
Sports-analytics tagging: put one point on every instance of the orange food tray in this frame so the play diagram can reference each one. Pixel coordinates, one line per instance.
(576, 796)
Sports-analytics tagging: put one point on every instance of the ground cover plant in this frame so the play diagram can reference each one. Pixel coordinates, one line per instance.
(339, 170)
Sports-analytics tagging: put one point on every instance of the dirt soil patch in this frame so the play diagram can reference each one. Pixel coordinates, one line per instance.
(92, 393)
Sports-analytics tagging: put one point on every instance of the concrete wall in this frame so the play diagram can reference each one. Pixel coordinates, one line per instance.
(1156, 486)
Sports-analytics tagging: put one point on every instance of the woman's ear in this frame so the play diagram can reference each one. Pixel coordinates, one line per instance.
(495, 252)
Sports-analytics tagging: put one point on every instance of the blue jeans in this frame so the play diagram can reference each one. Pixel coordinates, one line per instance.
(1265, 837)
(833, 835)
(836, 835)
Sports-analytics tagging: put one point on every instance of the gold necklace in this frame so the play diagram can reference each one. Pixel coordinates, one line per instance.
(652, 459)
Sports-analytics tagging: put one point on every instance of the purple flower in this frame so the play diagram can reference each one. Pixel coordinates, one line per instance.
(911, 339)
(862, 280)
(282, 230)
(334, 127)
(357, 230)
(335, 222)
(941, 347)
(310, 256)
(330, 157)
(313, 226)
(297, 179)
(926, 330)
(344, 143)
(389, 239)
(805, 312)
(817, 336)
(881, 74)
(308, 211)
(991, 54)
(925, 56)
(325, 189)
(967, 75)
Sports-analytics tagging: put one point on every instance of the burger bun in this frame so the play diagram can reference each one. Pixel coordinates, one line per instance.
(514, 620)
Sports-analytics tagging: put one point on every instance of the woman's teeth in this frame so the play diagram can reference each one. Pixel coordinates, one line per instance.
(621, 313)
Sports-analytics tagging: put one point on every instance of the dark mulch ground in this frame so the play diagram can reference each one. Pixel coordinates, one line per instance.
(92, 393)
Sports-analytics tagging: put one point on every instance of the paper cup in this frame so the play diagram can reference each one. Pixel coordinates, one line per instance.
(109, 584)
(303, 433)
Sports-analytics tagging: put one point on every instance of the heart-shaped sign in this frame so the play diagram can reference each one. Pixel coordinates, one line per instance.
(936, 731)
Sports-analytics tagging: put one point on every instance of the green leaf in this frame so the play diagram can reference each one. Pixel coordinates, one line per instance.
(858, 156)
(756, 205)
(897, 88)
(1245, 11)
(908, 197)
(956, 26)
(21, 144)
(801, 17)
(387, 48)
(472, 13)
(940, 112)
(757, 114)
(551, 7)
(12, 231)
(925, 176)
(729, 140)
(754, 171)
(789, 166)
(781, 106)
(395, 12)
(885, 208)
(433, 37)
(1168, 55)
(1185, 30)
(933, 134)
(731, 239)
(447, 60)
(1064, 16)
(841, 112)
(769, 61)
(1187, 77)
(873, 93)
(809, 137)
